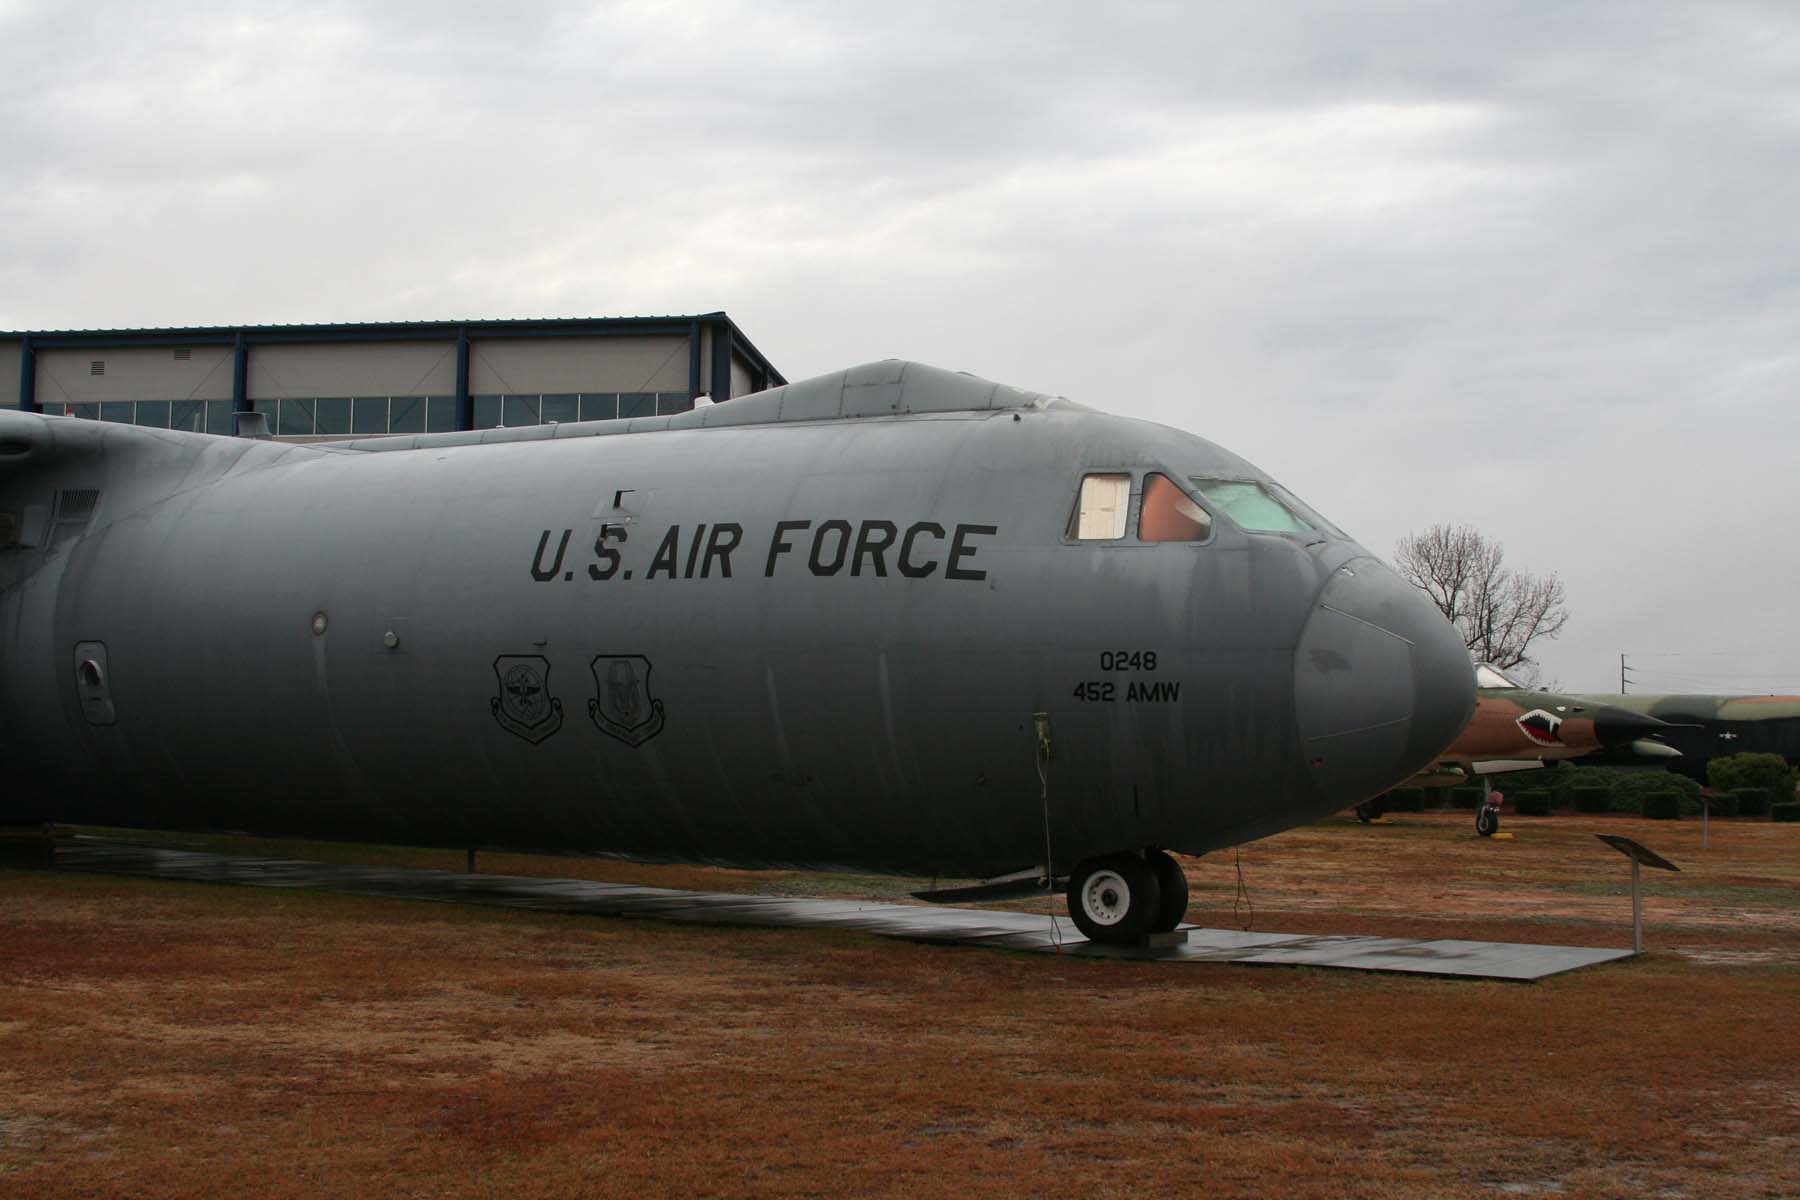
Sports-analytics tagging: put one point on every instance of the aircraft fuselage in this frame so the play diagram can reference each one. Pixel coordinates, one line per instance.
(815, 641)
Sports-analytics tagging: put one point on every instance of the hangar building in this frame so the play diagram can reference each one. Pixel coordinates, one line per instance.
(337, 381)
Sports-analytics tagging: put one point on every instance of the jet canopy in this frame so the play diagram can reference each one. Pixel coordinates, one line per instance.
(1489, 676)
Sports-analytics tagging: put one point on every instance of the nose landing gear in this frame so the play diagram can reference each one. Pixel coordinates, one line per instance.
(1117, 899)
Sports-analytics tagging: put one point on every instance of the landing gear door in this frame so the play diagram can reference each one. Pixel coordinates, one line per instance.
(93, 683)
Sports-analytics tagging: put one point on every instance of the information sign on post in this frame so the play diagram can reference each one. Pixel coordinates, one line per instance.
(1639, 856)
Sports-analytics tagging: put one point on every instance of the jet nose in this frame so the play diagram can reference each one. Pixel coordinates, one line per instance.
(1619, 726)
(1382, 683)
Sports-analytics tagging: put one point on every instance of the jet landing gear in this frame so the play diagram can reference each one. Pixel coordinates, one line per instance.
(1119, 899)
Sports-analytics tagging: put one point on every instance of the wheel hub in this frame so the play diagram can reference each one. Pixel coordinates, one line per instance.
(1107, 898)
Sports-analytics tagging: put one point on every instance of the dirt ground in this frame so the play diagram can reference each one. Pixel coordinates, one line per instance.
(161, 1039)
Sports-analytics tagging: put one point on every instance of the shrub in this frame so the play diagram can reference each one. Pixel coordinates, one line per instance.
(1722, 804)
(1630, 787)
(1465, 797)
(1751, 801)
(1767, 771)
(1532, 804)
(1662, 806)
(1784, 812)
(1591, 798)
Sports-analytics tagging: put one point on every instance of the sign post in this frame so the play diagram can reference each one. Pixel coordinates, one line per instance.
(1638, 855)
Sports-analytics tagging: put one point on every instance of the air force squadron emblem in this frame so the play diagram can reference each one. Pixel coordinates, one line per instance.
(525, 706)
(625, 709)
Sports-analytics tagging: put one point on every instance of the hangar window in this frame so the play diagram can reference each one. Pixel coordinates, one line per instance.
(188, 414)
(296, 418)
(1252, 506)
(406, 414)
(443, 414)
(331, 414)
(1100, 512)
(1168, 515)
(369, 414)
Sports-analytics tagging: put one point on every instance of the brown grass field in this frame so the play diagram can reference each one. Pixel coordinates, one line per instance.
(163, 1039)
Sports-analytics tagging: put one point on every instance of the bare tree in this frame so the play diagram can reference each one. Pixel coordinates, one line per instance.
(1500, 612)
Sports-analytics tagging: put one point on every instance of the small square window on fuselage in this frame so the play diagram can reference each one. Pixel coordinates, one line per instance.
(1100, 514)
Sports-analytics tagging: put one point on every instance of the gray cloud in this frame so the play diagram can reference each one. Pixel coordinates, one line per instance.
(1527, 266)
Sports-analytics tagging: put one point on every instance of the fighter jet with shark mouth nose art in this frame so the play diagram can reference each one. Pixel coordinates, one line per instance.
(895, 619)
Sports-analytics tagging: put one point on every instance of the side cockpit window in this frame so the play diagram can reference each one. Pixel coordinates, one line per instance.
(1100, 513)
(1167, 515)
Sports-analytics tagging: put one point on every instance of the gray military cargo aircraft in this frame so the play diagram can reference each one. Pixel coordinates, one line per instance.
(895, 618)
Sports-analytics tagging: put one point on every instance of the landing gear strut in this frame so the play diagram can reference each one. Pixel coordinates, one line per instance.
(1487, 817)
(1118, 898)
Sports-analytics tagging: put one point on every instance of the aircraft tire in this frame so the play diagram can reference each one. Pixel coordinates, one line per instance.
(1172, 884)
(1114, 898)
(1487, 822)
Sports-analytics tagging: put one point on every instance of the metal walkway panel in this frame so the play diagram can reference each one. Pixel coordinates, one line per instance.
(928, 923)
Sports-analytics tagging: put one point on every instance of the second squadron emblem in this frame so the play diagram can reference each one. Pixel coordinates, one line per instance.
(623, 707)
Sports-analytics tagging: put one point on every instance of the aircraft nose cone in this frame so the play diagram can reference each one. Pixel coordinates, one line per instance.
(1618, 726)
(1382, 683)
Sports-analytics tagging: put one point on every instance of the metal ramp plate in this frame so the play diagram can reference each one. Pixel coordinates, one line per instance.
(956, 926)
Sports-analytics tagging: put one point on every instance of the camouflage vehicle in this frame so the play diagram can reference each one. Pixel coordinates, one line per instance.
(1520, 729)
(1703, 728)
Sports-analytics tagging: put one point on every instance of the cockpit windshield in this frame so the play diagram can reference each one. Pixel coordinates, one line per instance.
(1260, 507)
(1490, 677)
(1252, 506)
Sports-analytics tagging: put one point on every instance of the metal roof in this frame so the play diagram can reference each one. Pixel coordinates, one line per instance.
(369, 331)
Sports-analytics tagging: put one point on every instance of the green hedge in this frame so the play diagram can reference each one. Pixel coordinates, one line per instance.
(1532, 804)
(1767, 771)
(1751, 801)
(1405, 800)
(1722, 805)
(1662, 806)
(1591, 798)
(1784, 812)
(1630, 787)
(1465, 797)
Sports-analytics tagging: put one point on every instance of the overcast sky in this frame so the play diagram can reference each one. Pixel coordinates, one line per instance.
(1533, 267)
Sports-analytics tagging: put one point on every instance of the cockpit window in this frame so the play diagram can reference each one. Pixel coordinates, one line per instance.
(1167, 515)
(1306, 512)
(1490, 677)
(1254, 507)
(1100, 515)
